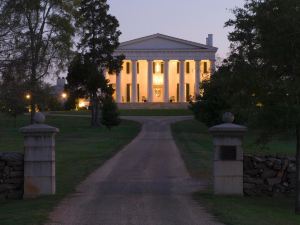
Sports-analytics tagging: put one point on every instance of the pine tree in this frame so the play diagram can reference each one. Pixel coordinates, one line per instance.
(110, 113)
(99, 38)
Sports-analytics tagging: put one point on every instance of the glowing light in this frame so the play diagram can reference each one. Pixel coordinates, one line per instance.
(259, 104)
(83, 103)
(28, 96)
(157, 92)
(158, 80)
(64, 95)
(206, 76)
(157, 68)
(201, 92)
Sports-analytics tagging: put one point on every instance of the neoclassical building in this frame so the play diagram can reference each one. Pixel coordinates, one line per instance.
(160, 68)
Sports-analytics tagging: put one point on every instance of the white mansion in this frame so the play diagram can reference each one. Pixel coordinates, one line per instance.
(160, 68)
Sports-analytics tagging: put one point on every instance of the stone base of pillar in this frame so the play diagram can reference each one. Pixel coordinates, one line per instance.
(39, 159)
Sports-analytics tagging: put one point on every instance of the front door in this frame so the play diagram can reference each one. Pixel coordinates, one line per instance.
(157, 94)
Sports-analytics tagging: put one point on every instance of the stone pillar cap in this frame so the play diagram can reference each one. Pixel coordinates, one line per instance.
(228, 129)
(38, 128)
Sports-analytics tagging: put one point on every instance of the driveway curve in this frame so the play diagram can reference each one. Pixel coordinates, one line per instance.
(144, 184)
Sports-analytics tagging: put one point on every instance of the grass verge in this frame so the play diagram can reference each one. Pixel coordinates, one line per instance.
(195, 145)
(136, 112)
(79, 150)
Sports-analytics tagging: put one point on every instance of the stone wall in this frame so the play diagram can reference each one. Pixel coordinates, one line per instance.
(11, 175)
(269, 175)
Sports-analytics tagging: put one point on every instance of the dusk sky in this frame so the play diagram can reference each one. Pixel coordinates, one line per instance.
(191, 19)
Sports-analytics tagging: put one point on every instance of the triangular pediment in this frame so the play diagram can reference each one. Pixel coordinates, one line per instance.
(162, 42)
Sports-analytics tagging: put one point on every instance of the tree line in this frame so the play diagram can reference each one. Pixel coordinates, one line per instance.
(260, 80)
(40, 38)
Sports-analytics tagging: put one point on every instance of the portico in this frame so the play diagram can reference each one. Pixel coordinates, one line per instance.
(159, 68)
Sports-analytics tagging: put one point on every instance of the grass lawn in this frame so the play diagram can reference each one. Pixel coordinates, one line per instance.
(195, 144)
(137, 112)
(155, 112)
(79, 150)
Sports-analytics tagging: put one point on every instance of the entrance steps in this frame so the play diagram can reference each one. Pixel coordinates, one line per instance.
(153, 105)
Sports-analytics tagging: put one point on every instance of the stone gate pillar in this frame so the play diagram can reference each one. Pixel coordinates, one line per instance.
(39, 158)
(228, 157)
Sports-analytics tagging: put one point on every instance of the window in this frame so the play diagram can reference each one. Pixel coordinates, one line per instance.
(162, 68)
(158, 67)
(153, 67)
(187, 92)
(205, 69)
(138, 67)
(128, 87)
(187, 70)
(178, 67)
(138, 92)
(128, 67)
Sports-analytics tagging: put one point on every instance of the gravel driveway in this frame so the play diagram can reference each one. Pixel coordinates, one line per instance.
(144, 184)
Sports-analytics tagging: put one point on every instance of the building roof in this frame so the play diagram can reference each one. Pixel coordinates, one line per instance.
(161, 42)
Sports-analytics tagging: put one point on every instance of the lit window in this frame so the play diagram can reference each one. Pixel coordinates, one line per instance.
(158, 80)
(162, 67)
(187, 67)
(205, 68)
(157, 68)
(128, 67)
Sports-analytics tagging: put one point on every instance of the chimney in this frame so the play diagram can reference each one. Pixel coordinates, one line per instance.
(209, 40)
(61, 82)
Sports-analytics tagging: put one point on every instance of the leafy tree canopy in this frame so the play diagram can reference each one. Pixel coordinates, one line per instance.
(260, 80)
(37, 33)
(99, 38)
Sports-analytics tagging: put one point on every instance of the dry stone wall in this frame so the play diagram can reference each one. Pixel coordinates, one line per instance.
(11, 175)
(268, 175)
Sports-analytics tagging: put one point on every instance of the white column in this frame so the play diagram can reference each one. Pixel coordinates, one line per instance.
(119, 87)
(150, 81)
(197, 77)
(166, 81)
(181, 82)
(133, 82)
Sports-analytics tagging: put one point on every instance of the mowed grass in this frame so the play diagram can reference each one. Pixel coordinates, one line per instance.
(136, 112)
(155, 112)
(80, 149)
(195, 144)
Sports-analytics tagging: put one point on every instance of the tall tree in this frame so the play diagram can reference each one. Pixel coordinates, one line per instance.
(39, 32)
(12, 91)
(99, 37)
(265, 66)
(6, 37)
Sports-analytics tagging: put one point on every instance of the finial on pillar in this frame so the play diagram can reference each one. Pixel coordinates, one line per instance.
(39, 118)
(228, 117)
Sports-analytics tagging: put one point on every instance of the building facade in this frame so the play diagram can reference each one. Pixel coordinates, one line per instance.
(160, 68)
